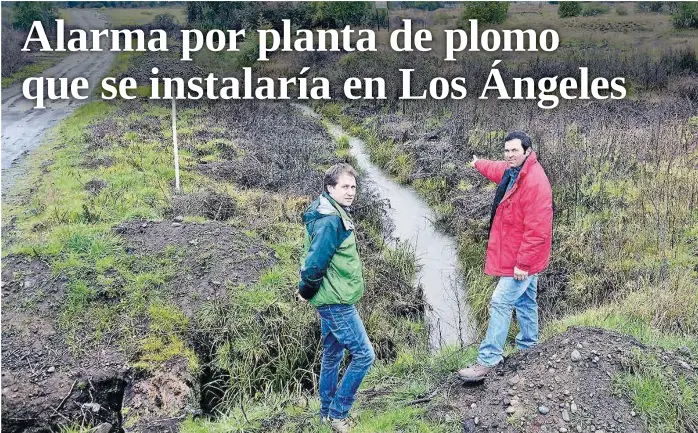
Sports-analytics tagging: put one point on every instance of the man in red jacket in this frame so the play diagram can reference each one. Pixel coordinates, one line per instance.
(521, 225)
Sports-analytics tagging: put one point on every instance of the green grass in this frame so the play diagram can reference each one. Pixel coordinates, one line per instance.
(412, 375)
(61, 222)
(658, 311)
(667, 399)
(623, 316)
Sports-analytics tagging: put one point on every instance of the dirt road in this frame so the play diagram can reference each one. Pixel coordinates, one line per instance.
(23, 127)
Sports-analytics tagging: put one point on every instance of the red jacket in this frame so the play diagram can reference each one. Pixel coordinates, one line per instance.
(522, 228)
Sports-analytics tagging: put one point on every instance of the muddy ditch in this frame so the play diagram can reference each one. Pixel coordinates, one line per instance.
(48, 382)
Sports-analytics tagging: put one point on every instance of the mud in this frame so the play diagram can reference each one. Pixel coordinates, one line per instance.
(44, 383)
(23, 127)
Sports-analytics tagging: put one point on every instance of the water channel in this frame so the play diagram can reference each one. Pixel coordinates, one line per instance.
(448, 314)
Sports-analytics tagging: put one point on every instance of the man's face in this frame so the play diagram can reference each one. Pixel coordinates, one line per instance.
(514, 153)
(345, 190)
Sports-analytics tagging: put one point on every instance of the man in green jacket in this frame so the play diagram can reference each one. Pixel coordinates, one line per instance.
(332, 281)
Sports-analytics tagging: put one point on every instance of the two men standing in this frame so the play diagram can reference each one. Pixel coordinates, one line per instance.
(518, 249)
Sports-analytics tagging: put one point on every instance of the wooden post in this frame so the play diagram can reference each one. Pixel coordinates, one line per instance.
(174, 140)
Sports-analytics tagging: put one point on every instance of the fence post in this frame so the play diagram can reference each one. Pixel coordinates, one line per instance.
(174, 141)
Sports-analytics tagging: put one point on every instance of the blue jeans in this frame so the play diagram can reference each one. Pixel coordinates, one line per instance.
(510, 295)
(342, 328)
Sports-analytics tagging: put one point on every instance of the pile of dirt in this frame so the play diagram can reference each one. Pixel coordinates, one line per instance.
(210, 255)
(562, 385)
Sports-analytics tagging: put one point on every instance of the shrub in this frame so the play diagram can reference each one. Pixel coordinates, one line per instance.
(655, 7)
(339, 14)
(594, 9)
(25, 13)
(485, 12)
(680, 60)
(569, 9)
(427, 6)
(165, 22)
(13, 57)
(686, 17)
(621, 10)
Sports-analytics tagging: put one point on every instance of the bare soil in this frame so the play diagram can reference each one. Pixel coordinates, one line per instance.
(47, 382)
(544, 390)
(213, 254)
(43, 381)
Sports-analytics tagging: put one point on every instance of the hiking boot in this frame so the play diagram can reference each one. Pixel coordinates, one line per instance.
(475, 373)
(340, 425)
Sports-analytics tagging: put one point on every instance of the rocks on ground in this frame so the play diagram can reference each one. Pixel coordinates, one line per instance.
(561, 385)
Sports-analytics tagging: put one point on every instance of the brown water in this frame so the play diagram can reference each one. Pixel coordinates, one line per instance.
(448, 314)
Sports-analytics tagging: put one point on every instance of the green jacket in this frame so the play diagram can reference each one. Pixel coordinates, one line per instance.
(331, 271)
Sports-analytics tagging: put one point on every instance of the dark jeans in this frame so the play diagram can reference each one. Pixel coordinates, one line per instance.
(342, 329)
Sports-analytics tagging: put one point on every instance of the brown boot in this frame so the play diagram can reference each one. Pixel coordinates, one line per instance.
(475, 373)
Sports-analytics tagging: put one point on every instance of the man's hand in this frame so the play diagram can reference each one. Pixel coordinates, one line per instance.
(472, 163)
(520, 275)
(300, 298)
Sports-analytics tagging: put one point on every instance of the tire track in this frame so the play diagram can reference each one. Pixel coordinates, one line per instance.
(24, 127)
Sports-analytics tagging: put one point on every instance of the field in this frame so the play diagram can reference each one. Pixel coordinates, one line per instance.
(139, 16)
(137, 290)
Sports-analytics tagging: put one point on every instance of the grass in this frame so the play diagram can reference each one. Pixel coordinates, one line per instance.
(413, 374)
(112, 293)
(35, 69)
(66, 225)
(139, 16)
(71, 228)
(641, 285)
(665, 397)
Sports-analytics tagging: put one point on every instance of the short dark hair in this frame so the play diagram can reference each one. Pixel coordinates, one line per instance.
(332, 174)
(525, 139)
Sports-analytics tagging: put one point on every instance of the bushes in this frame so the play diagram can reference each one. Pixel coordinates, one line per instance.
(569, 9)
(339, 14)
(686, 17)
(594, 9)
(621, 10)
(237, 15)
(655, 7)
(427, 6)
(485, 12)
(25, 13)
(13, 57)
(166, 22)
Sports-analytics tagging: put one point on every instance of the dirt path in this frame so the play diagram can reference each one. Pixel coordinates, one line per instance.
(24, 128)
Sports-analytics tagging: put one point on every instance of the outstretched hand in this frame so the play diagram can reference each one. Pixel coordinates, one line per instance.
(472, 163)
